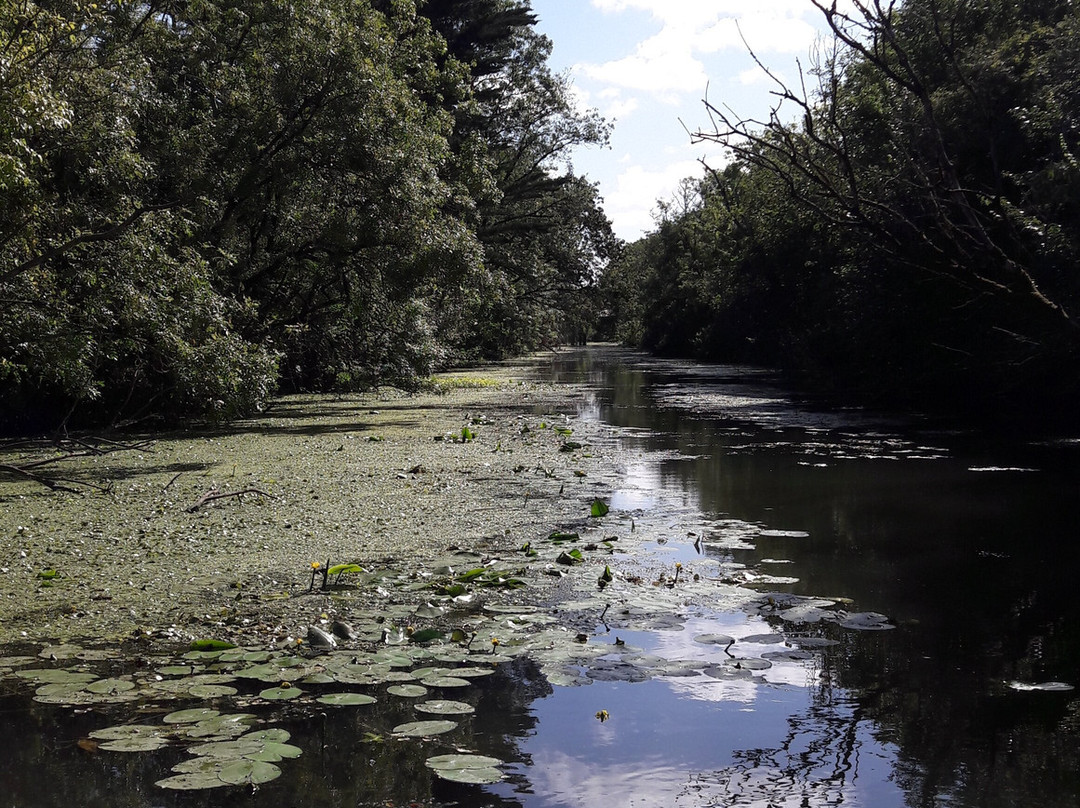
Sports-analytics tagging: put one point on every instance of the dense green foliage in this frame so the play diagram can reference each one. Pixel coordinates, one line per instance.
(205, 201)
(913, 235)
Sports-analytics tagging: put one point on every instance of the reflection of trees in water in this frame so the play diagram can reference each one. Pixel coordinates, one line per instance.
(342, 762)
(978, 569)
(816, 764)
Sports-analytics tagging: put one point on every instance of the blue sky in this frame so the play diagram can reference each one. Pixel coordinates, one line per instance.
(646, 64)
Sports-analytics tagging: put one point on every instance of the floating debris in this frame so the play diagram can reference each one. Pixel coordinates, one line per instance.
(1048, 687)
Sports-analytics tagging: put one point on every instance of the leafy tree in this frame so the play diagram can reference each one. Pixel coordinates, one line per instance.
(543, 234)
(907, 232)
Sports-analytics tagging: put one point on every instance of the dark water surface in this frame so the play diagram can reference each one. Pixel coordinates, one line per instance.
(971, 547)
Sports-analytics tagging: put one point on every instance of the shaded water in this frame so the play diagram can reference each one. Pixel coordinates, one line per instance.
(969, 547)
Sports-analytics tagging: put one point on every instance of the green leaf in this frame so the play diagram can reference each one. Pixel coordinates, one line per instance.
(341, 569)
(426, 635)
(420, 729)
(211, 645)
(570, 558)
(477, 769)
(599, 508)
(559, 537)
(346, 699)
(281, 693)
(476, 573)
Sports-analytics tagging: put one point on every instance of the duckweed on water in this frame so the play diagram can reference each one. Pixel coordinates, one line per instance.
(430, 615)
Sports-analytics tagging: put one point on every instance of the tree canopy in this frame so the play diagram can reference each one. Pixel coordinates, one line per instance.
(904, 224)
(208, 201)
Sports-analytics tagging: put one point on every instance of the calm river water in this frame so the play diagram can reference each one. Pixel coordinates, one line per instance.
(969, 546)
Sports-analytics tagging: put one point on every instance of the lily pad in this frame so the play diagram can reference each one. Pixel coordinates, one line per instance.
(714, 639)
(613, 671)
(16, 661)
(211, 691)
(320, 678)
(178, 670)
(211, 645)
(56, 676)
(190, 716)
(60, 690)
(65, 651)
(228, 750)
(445, 707)
(111, 686)
(97, 654)
(751, 664)
(269, 735)
(477, 769)
(422, 729)
(272, 752)
(407, 691)
(124, 731)
(245, 772)
(867, 621)
(137, 743)
(346, 699)
(193, 781)
(224, 773)
(764, 639)
(281, 693)
(788, 655)
(444, 681)
(804, 613)
(471, 673)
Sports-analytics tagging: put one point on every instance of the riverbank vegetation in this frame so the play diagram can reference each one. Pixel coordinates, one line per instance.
(903, 226)
(204, 203)
(207, 203)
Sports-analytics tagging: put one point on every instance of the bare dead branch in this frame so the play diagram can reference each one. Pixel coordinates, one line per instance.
(813, 159)
(53, 485)
(213, 495)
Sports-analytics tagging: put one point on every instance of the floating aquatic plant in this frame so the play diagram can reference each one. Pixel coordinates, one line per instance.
(423, 729)
(445, 707)
(346, 699)
(463, 768)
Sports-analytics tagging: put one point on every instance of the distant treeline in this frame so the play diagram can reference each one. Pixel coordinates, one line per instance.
(203, 202)
(905, 227)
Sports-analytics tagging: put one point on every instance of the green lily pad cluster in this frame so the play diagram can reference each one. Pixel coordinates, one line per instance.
(226, 748)
(802, 610)
(459, 768)
(247, 760)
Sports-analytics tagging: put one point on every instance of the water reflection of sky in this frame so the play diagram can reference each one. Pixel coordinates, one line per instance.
(783, 747)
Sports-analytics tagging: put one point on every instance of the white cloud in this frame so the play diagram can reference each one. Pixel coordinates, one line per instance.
(575, 783)
(619, 109)
(638, 188)
(668, 64)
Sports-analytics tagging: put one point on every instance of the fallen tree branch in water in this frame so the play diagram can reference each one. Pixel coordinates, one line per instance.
(66, 448)
(29, 475)
(214, 494)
